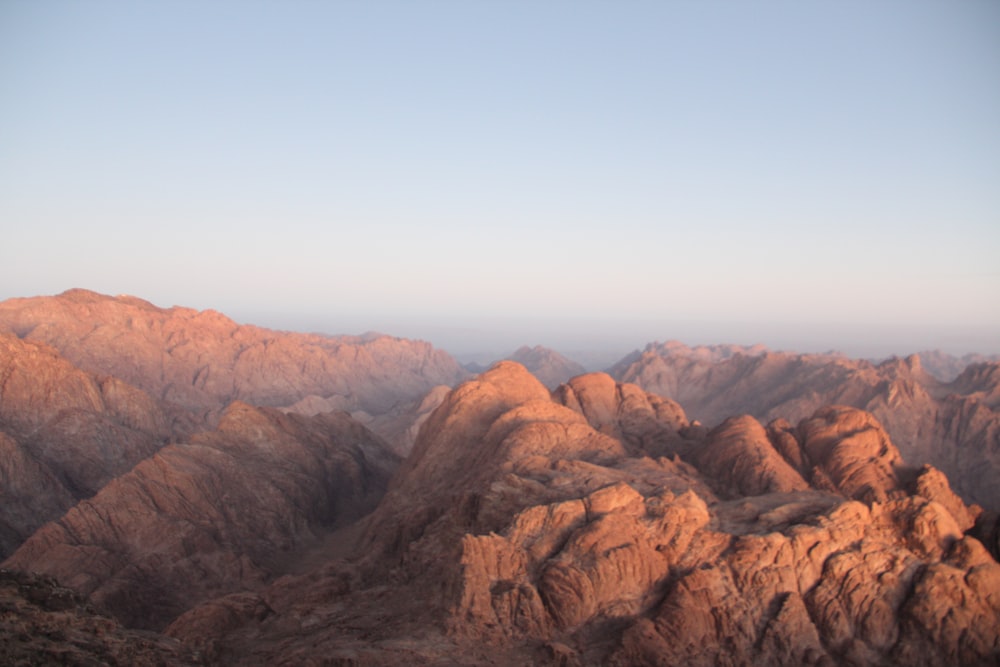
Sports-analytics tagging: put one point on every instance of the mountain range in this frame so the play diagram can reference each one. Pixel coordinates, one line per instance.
(179, 489)
(953, 425)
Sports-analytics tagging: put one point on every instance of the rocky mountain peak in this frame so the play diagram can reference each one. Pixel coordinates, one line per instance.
(953, 427)
(550, 367)
(590, 524)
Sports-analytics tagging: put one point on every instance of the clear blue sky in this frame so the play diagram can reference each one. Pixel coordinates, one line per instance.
(483, 174)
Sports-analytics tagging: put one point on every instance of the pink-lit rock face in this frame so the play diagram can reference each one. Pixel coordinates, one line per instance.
(202, 360)
(551, 368)
(523, 531)
(589, 524)
(953, 426)
(92, 385)
(741, 456)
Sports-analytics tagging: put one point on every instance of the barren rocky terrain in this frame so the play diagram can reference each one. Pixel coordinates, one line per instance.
(568, 528)
(551, 368)
(43, 623)
(954, 426)
(91, 385)
(222, 512)
(947, 367)
(64, 434)
(201, 361)
(248, 497)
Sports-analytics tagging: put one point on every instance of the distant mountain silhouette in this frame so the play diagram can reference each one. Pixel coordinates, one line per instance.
(947, 367)
(550, 367)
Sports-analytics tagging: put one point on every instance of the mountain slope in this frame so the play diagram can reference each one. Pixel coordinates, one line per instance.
(201, 361)
(45, 624)
(550, 367)
(220, 513)
(952, 426)
(64, 434)
(91, 385)
(537, 528)
(947, 367)
(591, 524)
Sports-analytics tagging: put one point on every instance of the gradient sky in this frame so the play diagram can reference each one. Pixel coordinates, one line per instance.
(810, 175)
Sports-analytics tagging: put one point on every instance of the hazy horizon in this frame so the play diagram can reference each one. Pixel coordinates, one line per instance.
(598, 343)
(484, 338)
(584, 176)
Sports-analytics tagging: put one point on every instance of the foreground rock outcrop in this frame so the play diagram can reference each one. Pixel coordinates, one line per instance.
(596, 525)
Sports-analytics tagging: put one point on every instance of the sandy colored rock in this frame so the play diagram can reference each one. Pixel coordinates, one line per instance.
(641, 420)
(854, 452)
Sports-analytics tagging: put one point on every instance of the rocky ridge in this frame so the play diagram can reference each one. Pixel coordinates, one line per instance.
(570, 529)
(91, 385)
(947, 367)
(591, 524)
(953, 426)
(64, 434)
(551, 368)
(223, 512)
(202, 360)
